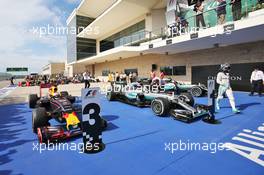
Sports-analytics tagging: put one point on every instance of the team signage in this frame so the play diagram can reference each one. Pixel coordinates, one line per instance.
(194, 35)
(229, 27)
(240, 80)
(91, 121)
(169, 41)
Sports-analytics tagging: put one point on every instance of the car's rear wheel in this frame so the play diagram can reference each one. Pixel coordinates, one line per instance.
(71, 99)
(196, 91)
(32, 100)
(160, 106)
(187, 98)
(39, 118)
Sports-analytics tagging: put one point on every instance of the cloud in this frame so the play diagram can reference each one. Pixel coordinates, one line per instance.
(19, 46)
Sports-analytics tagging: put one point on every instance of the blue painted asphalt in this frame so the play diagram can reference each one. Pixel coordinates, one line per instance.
(135, 143)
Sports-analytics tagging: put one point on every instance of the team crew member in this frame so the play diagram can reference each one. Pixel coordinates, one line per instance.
(152, 74)
(162, 75)
(12, 81)
(86, 78)
(256, 80)
(223, 79)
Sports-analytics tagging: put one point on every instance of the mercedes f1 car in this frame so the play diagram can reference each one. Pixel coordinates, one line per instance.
(180, 107)
(58, 106)
(138, 95)
(196, 90)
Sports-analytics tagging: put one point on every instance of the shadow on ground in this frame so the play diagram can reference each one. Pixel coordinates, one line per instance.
(12, 125)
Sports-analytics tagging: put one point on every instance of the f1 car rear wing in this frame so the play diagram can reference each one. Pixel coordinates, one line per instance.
(44, 86)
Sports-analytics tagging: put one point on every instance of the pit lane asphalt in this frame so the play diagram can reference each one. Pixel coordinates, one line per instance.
(134, 141)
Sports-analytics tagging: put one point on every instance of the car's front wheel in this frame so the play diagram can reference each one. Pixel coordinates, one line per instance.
(39, 119)
(32, 100)
(196, 91)
(160, 106)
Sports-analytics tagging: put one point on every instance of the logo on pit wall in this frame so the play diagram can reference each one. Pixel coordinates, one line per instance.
(249, 144)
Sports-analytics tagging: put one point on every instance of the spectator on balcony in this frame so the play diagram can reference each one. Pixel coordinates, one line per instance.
(236, 9)
(177, 28)
(198, 8)
(184, 25)
(221, 11)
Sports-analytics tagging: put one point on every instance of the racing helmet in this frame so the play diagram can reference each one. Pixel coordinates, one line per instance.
(53, 91)
(225, 67)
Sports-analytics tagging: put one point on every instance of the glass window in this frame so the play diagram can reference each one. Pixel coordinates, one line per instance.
(128, 71)
(173, 70)
(128, 35)
(179, 70)
(168, 70)
(85, 48)
(105, 72)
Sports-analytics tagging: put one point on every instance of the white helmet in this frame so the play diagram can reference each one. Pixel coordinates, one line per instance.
(225, 67)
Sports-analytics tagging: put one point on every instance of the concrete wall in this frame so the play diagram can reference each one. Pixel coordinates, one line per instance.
(158, 20)
(57, 68)
(78, 69)
(244, 53)
(46, 70)
(53, 68)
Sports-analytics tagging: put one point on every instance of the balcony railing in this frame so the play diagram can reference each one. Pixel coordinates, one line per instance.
(211, 19)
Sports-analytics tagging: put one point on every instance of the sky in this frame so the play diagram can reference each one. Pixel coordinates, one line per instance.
(24, 37)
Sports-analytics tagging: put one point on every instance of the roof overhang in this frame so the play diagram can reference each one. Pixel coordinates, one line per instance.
(91, 8)
(94, 8)
(120, 13)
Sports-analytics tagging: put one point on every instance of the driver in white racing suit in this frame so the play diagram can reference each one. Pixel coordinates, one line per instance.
(223, 79)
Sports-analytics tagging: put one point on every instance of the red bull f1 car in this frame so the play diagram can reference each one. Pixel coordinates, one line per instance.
(61, 107)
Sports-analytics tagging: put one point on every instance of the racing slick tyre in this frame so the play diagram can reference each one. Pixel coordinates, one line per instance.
(71, 99)
(39, 119)
(196, 91)
(160, 106)
(187, 98)
(110, 96)
(32, 100)
(64, 93)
